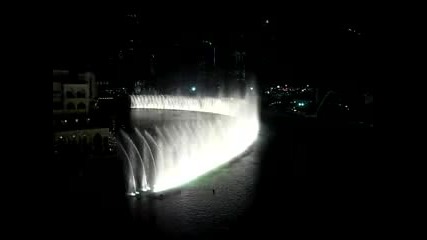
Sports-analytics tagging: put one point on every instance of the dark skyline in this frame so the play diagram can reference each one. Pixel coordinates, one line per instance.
(299, 45)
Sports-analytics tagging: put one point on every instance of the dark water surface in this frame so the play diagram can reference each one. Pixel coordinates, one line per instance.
(298, 179)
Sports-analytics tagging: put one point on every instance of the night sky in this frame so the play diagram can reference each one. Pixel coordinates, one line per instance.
(301, 44)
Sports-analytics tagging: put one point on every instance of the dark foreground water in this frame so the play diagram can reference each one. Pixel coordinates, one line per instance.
(300, 178)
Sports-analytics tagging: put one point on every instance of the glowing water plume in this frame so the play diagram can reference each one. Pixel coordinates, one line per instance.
(175, 154)
(224, 106)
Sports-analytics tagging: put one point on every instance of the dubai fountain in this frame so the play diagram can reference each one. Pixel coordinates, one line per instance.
(171, 155)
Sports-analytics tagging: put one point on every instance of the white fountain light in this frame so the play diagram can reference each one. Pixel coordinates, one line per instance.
(181, 152)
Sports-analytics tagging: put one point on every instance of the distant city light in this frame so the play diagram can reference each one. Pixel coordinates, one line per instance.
(77, 120)
(208, 42)
(193, 88)
(60, 137)
(65, 120)
(266, 21)
(252, 88)
(308, 85)
(278, 86)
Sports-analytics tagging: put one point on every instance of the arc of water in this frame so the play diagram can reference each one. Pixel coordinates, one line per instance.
(154, 142)
(133, 185)
(162, 155)
(148, 146)
(143, 179)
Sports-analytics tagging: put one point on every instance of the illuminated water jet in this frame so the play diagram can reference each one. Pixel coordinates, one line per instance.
(175, 154)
